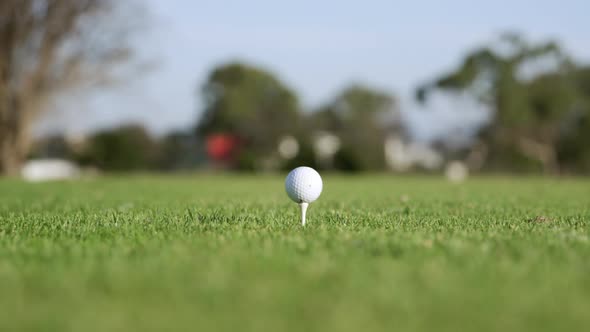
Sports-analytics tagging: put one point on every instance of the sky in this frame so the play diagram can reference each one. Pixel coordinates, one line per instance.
(316, 48)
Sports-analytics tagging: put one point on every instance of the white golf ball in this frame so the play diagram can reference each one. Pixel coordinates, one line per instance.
(303, 185)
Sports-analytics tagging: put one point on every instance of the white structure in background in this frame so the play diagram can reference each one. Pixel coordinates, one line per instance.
(325, 146)
(288, 147)
(49, 169)
(456, 171)
(402, 156)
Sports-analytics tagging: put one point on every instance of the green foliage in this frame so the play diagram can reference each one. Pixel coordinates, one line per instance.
(362, 103)
(358, 116)
(255, 106)
(121, 149)
(251, 103)
(228, 253)
(55, 146)
(574, 144)
(180, 151)
(347, 160)
(529, 108)
(306, 155)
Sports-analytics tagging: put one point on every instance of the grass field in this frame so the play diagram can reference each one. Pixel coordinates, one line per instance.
(228, 254)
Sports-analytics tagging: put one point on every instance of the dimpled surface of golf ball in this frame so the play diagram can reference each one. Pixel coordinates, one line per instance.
(303, 185)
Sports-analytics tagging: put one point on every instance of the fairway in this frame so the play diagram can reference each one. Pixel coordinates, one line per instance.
(228, 253)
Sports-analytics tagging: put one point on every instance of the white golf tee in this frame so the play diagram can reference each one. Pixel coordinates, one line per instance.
(303, 211)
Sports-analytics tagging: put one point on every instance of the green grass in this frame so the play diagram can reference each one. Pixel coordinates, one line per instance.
(228, 254)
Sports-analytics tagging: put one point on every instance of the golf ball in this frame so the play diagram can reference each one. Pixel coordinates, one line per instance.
(303, 185)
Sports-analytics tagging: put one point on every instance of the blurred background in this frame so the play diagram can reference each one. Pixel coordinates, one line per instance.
(92, 86)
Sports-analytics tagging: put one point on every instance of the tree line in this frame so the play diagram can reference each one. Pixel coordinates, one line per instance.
(48, 48)
(537, 94)
(540, 103)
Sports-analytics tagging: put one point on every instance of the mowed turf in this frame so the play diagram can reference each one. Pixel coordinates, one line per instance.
(213, 253)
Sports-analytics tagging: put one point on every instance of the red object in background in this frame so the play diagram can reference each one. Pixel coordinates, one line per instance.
(221, 147)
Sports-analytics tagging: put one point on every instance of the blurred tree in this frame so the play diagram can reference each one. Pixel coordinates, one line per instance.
(55, 146)
(180, 151)
(573, 149)
(574, 145)
(252, 105)
(359, 116)
(121, 149)
(47, 46)
(529, 89)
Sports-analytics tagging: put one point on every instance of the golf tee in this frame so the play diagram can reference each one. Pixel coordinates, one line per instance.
(303, 211)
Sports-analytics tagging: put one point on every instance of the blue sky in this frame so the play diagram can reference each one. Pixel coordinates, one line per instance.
(317, 47)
